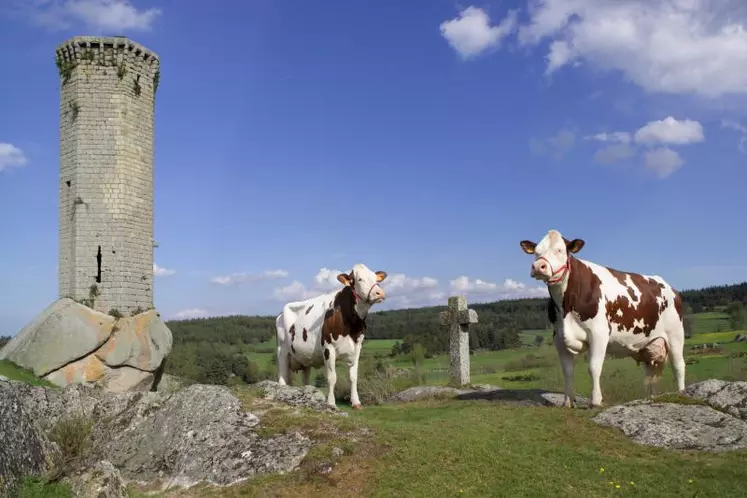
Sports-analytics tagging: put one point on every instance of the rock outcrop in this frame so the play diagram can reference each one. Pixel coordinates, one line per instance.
(23, 446)
(729, 397)
(69, 343)
(487, 392)
(716, 425)
(199, 433)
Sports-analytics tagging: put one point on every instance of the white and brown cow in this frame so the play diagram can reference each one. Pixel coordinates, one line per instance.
(328, 328)
(602, 310)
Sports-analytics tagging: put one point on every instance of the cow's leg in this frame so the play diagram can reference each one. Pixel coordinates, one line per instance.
(306, 374)
(567, 365)
(677, 354)
(353, 374)
(282, 353)
(329, 368)
(598, 339)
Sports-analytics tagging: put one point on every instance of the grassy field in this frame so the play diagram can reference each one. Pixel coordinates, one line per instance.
(14, 372)
(483, 448)
(537, 366)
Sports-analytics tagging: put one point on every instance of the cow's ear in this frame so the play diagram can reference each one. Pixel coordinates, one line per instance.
(528, 246)
(344, 279)
(380, 276)
(575, 245)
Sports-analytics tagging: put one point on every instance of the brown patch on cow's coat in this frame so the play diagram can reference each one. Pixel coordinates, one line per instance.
(305, 336)
(625, 312)
(341, 319)
(583, 292)
(309, 309)
(326, 353)
(678, 304)
(622, 278)
(292, 332)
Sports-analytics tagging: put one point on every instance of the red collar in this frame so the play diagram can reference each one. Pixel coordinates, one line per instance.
(358, 298)
(557, 275)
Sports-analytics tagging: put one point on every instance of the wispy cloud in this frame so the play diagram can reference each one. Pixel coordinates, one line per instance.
(243, 277)
(190, 313)
(94, 15)
(471, 34)
(656, 139)
(11, 157)
(738, 127)
(556, 146)
(162, 272)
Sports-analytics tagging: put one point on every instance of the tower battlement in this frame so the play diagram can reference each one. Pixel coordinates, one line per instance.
(107, 97)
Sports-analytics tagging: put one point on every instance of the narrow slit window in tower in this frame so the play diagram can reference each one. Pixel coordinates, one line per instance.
(98, 264)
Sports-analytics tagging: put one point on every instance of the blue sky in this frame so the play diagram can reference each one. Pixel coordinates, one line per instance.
(295, 139)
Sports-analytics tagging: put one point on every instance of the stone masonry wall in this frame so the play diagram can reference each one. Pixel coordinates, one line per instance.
(106, 172)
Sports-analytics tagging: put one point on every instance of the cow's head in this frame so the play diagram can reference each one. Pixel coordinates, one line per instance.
(365, 283)
(551, 256)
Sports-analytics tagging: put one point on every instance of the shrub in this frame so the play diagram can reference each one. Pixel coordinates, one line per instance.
(530, 361)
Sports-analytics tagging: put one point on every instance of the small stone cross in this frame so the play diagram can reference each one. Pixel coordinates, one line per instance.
(458, 317)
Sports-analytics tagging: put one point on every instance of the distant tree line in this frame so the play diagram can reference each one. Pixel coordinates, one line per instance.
(216, 350)
(4, 339)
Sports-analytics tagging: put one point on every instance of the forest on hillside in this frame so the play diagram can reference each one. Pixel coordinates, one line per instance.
(211, 349)
(214, 350)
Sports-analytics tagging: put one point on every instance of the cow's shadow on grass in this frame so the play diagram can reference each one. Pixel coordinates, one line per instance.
(521, 397)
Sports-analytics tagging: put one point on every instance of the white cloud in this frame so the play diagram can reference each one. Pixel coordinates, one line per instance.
(326, 279)
(670, 131)
(655, 137)
(399, 283)
(507, 290)
(663, 161)
(188, 313)
(11, 157)
(396, 285)
(673, 46)
(556, 146)
(732, 125)
(295, 291)
(622, 137)
(95, 15)
(470, 33)
(242, 277)
(162, 272)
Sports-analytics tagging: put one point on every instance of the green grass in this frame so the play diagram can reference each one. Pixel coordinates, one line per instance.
(712, 321)
(34, 487)
(14, 372)
(481, 448)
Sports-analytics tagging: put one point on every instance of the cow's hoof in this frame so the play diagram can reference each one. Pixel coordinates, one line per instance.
(595, 405)
(357, 407)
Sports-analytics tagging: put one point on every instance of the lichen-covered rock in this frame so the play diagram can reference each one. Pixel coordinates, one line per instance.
(306, 396)
(70, 343)
(423, 392)
(198, 433)
(141, 341)
(730, 397)
(64, 332)
(88, 369)
(676, 426)
(487, 392)
(24, 450)
(103, 480)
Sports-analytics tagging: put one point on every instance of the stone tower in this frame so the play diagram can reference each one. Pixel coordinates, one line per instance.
(107, 97)
(103, 329)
